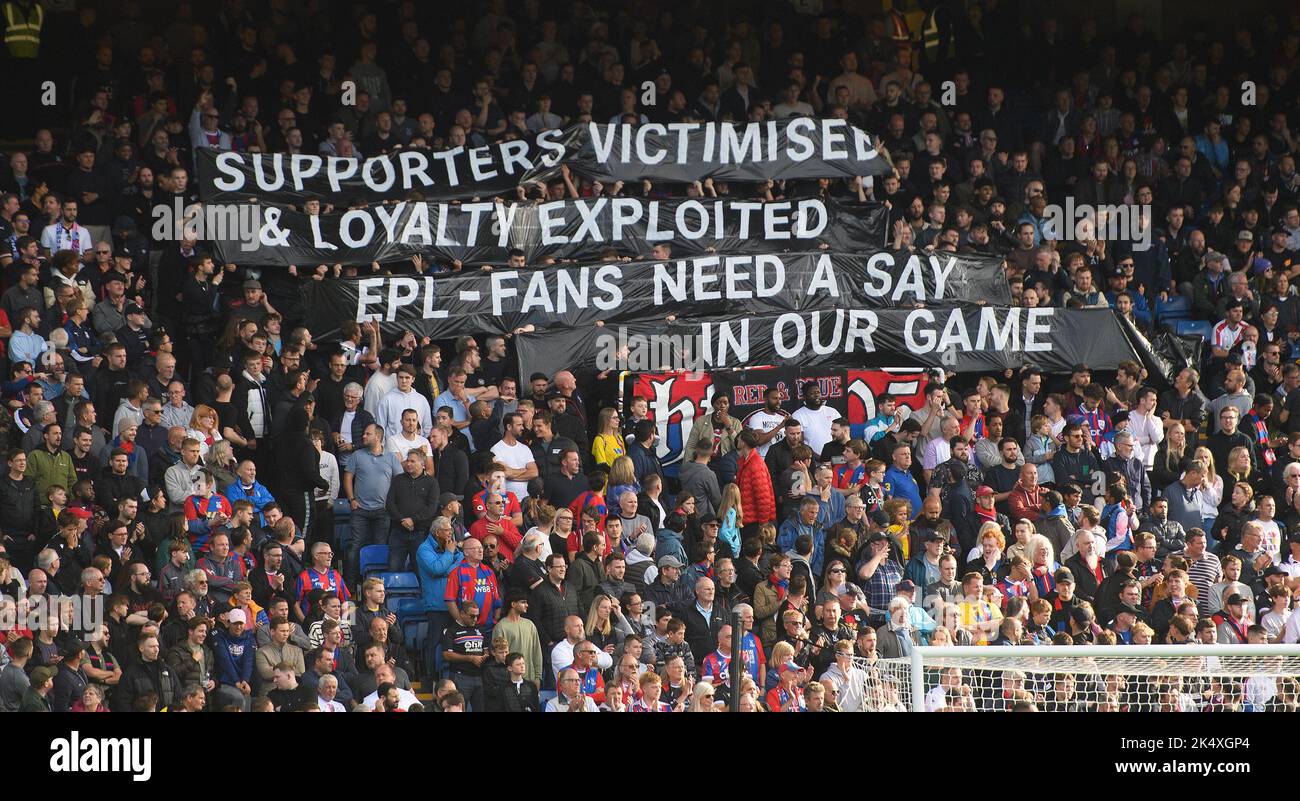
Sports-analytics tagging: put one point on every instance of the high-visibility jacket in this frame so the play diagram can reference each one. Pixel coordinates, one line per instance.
(23, 29)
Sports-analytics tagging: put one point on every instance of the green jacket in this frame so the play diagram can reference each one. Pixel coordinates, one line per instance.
(34, 702)
(46, 469)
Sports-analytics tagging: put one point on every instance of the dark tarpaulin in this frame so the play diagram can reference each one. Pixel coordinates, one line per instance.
(798, 148)
(483, 237)
(716, 286)
(978, 340)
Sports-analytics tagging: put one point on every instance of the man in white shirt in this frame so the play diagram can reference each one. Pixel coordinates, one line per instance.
(515, 455)
(326, 691)
(394, 404)
(381, 381)
(66, 234)
(816, 418)
(1148, 429)
(384, 675)
(1228, 330)
(409, 439)
(562, 653)
(769, 421)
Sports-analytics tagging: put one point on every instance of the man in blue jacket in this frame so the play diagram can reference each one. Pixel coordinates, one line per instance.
(436, 557)
(899, 482)
(232, 651)
(246, 488)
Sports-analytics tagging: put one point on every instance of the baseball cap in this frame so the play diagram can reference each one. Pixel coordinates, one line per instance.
(555, 394)
(252, 284)
(877, 537)
(789, 667)
(114, 276)
(446, 498)
(669, 561)
(236, 616)
(1064, 574)
(73, 646)
(1274, 570)
(905, 585)
(41, 675)
(934, 536)
(132, 308)
(983, 491)
(1235, 598)
(709, 519)
(1130, 608)
(1245, 236)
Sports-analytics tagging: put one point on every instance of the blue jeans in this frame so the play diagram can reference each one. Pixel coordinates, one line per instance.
(369, 527)
(401, 547)
(471, 687)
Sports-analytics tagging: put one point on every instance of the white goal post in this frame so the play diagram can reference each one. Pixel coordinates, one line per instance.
(1126, 678)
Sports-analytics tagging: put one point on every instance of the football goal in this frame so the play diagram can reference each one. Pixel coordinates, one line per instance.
(1067, 678)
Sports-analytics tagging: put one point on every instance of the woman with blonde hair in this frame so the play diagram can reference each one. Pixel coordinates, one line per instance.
(1240, 470)
(205, 427)
(622, 476)
(1171, 457)
(702, 698)
(606, 627)
(782, 652)
(221, 461)
(1211, 487)
(730, 513)
(608, 444)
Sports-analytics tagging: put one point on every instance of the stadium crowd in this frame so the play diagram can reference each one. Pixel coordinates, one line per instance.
(183, 450)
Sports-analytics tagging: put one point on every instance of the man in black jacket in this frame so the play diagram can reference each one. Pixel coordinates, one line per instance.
(148, 674)
(548, 449)
(200, 312)
(703, 618)
(19, 508)
(109, 383)
(551, 602)
(450, 465)
(412, 504)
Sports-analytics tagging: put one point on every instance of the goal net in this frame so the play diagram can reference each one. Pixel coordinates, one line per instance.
(1153, 678)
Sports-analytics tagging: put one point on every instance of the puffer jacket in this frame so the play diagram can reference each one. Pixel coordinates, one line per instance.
(435, 566)
(755, 483)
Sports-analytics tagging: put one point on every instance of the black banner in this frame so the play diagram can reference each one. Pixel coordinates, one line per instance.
(705, 287)
(962, 339)
(800, 147)
(482, 233)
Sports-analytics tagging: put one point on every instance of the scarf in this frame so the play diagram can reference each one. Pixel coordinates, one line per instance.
(782, 586)
(1059, 511)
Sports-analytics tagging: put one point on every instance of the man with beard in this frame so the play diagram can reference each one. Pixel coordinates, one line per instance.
(768, 422)
(958, 470)
(931, 521)
(815, 417)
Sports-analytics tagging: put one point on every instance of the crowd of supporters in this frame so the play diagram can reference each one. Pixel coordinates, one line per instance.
(184, 453)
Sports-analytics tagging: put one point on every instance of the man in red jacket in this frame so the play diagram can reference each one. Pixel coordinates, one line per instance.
(756, 495)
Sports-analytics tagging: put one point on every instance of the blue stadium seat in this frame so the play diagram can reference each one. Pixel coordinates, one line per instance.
(415, 633)
(407, 610)
(546, 695)
(401, 585)
(1193, 328)
(1176, 308)
(374, 559)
